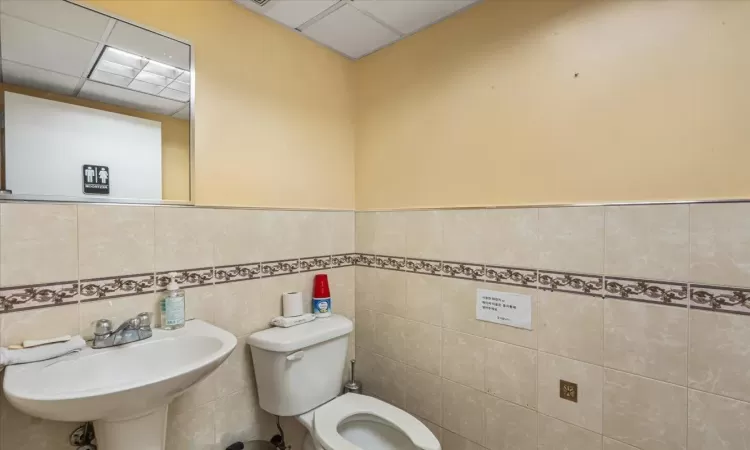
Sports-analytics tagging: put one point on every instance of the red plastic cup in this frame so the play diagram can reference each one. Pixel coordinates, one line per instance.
(320, 286)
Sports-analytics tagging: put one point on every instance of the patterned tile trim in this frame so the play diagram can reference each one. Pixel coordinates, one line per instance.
(463, 270)
(237, 272)
(720, 298)
(364, 259)
(186, 278)
(576, 283)
(424, 266)
(390, 262)
(314, 263)
(700, 296)
(512, 276)
(38, 296)
(343, 260)
(673, 294)
(113, 287)
(278, 268)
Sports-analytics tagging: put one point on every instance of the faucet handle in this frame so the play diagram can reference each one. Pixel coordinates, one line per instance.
(144, 319)
(102, 327)
(133, 324)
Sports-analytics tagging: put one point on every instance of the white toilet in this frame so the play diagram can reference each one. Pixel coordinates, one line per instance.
(299, 372)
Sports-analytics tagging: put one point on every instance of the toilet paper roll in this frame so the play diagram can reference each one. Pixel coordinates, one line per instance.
(292, 304)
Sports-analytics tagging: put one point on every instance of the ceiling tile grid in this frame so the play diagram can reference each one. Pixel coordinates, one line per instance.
(350, 32)
(60, 47)
(33, 45)
(356, 28)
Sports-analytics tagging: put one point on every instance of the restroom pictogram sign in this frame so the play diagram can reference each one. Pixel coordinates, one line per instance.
(96, 179)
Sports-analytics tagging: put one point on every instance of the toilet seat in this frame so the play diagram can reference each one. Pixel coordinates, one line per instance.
(328, 417)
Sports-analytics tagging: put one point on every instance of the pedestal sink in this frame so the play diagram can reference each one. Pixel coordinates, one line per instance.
(124, 390)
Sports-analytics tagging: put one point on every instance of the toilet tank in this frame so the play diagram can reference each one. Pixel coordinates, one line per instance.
(299, 368)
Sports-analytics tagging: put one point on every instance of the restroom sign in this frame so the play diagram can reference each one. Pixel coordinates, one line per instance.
(504, 308)
(95, 179)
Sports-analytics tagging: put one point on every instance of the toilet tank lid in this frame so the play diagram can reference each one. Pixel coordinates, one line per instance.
(301, 336)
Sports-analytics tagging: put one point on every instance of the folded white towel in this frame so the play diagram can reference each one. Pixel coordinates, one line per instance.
(286, 322)
(42, 353)
(37, 342)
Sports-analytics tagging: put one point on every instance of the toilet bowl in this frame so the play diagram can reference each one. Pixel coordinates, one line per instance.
(299, 373)
(359, 422)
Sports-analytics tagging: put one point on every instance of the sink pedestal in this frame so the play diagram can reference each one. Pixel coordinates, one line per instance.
(143, 432)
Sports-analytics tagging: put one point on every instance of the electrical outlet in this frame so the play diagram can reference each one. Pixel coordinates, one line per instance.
(569, 391)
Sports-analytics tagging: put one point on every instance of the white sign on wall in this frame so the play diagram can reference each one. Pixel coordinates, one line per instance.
(504, 308)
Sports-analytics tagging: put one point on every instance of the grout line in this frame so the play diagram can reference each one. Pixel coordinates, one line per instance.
(604, 306)
(687, 337)
(478, 391)
(541, 352)
(78, 268)
(154, 271)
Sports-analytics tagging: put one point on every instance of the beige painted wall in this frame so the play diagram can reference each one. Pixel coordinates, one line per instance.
(274, 111)
(175, 139)
(485, 108)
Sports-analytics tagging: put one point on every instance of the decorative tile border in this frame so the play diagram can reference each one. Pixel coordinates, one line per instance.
(457, 269)
(660, 292)
(99, 288)
(237, 272)
(513, 276)
(720, 298)
(20, 298)
(364, 259)
(575, 283)
(38, 296)
(314, 263)
(717, 298)
(390, 262)
(343, 260)
(186, 278)
(278, 268)
(424, 266)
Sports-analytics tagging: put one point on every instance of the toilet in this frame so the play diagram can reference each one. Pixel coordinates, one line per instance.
(299, 372)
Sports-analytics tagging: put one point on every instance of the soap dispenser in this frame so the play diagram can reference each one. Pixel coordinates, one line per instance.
(172, 305)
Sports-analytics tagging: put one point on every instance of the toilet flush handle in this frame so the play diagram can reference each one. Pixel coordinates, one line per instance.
(296, 356)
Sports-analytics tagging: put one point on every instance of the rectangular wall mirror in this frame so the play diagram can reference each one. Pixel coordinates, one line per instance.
(94, 108)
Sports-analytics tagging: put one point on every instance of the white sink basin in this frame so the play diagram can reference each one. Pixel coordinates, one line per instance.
(124, 390)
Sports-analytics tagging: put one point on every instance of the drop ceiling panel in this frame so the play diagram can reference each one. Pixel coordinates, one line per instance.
(58, 15)
(34, 45)
(151, 45)
(19, 74)
(294, 13)
(131, 99)
(350, 32)
(409, 16)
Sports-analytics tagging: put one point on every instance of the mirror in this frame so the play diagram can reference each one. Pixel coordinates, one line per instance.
(94, 108)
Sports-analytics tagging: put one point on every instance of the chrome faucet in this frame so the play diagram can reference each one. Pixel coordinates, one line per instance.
(136, 329)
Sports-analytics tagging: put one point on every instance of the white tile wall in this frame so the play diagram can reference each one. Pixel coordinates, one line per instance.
(651, 374)
(42, 243)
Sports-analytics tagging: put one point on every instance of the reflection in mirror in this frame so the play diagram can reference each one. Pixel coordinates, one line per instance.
(94, 108)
